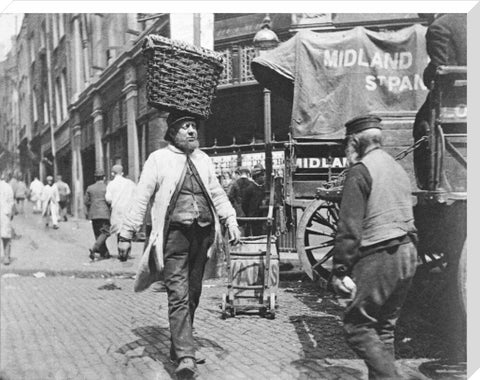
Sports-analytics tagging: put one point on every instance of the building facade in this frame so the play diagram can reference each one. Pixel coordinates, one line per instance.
(74, 98)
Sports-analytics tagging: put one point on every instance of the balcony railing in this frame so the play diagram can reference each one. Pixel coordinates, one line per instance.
(237, 61)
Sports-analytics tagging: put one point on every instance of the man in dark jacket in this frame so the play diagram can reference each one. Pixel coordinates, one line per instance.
(446, 46)
(240, 194)
(374, 256)
(98, 212)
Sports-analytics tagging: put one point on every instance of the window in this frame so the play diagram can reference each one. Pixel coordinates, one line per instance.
(61, 25)
(42, 36)
(45, 112)
(34, 103)
(55, 30)
(58, 102)
(63, 88)
(31, 43)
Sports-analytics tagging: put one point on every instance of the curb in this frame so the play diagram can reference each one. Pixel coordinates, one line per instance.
(292, 275)
(68, 273)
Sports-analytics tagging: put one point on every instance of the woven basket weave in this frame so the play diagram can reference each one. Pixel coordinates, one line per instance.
(180, 76)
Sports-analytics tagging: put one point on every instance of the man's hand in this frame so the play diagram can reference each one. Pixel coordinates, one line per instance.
(234, 234)
(344, 286)
(124, 248)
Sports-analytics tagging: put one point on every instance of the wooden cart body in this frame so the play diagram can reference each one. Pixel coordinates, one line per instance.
(313, 164)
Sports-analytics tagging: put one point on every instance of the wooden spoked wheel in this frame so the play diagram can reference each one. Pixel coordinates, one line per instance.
(315, 237)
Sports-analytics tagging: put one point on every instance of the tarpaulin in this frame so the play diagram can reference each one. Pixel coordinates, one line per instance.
(332, 77)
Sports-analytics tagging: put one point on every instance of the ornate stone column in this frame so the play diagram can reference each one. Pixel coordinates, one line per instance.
(97, 116)
(77, 168)
(130, 93)
(77, 55)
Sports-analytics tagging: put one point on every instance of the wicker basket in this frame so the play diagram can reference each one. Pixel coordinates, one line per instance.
(180, 76)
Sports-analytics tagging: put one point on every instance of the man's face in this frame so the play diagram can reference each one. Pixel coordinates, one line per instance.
(259, 178)
(186, 138)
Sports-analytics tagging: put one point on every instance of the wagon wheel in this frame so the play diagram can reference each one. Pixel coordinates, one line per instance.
(315, 236)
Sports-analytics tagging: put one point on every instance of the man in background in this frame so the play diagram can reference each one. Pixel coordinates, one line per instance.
(64, 192)
(98, 212)
(36, 188)
(50, 199)
(255, 197)
(21, 192)
(6, 215)
(120, 193)
(240, 194)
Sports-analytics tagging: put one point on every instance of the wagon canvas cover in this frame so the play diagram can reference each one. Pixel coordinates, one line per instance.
(332, 77)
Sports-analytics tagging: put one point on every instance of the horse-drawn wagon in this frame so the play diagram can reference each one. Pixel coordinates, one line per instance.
(331, 77)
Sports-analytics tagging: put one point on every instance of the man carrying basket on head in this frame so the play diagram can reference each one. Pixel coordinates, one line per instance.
(188, 205)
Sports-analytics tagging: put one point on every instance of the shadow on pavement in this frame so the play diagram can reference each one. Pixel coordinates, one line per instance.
(321, 335)
(153, 342)
(428, 327)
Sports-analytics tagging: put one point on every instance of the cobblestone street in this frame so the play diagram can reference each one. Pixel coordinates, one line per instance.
(61, 325)
(70, 328)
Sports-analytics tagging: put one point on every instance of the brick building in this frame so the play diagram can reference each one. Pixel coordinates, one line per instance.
(77, 82)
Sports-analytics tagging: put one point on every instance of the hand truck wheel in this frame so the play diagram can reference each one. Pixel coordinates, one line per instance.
(224, 306)
(271, 312)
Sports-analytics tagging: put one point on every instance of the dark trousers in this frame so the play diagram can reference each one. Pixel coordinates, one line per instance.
(101, 230)
(383, 280)
(185, 256)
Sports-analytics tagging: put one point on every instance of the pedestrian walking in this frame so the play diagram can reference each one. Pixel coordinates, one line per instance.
(64, 193)
(21, 192)
(374, 256)
(189, 203)
(50, 199)
(12, 181)
(98, 211)
(36, 188)
(120, 192)
(7, 203)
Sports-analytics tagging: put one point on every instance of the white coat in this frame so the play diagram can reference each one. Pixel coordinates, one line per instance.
(50, 199)
(119, 195)
(161, 174)
(6, 209)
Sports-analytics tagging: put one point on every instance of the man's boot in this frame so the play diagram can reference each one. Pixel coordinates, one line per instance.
(187, 368)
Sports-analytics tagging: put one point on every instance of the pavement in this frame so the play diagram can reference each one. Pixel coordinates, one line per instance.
(64, 252)
(64, 317)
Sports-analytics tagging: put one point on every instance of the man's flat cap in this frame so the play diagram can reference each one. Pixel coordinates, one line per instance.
(258, 169)
(176, 117)
(243, 169)
(361, 123)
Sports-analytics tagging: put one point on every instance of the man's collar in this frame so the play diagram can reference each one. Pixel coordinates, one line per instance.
(174, 149)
